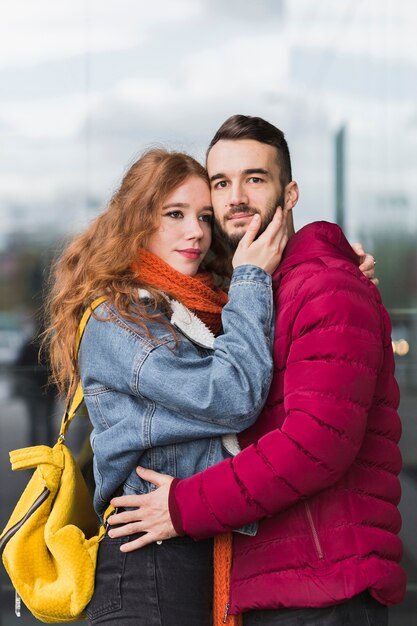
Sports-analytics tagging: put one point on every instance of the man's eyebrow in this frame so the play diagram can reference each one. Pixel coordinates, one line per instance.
(251, 170)
(257, 170)
(217, 176)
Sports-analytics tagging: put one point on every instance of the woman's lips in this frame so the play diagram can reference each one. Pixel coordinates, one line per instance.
(190, 253)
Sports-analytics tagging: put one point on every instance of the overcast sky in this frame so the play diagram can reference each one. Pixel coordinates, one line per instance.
(86, 85)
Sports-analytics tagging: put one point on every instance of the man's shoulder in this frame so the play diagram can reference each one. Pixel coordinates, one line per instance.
(317, 251)
(335, 281)
(317, 242)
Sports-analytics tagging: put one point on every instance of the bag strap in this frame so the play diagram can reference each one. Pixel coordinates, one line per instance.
(74, 402)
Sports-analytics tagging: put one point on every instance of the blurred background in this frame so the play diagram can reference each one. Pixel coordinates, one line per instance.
(86, 86)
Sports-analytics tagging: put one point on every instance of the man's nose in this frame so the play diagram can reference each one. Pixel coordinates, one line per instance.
(238, 195)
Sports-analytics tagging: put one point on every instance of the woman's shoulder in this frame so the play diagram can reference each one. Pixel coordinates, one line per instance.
(109, 324)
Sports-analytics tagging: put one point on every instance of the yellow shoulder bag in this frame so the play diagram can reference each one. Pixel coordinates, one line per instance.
(49, 545)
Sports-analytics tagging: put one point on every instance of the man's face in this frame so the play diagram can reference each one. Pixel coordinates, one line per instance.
(245, 179)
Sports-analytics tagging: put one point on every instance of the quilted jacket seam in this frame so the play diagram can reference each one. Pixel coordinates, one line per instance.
(272, 469)
(338, 361)
(309, 569)
(245, 493)
(340, 433)
(309, 455)
(328, 394)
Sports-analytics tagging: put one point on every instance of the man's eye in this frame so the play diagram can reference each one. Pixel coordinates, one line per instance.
(174, 214)
(220, 185)
(208, 217)
(255, 179)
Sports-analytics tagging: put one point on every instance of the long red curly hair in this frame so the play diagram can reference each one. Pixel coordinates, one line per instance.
(98, 261)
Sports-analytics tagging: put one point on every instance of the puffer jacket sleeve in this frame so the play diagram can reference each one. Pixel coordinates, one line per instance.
(334, 359)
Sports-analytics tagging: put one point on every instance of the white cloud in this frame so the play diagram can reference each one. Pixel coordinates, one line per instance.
(35, 32)
(49, 118)
(383, 29)
(242, 73)
(239, 68)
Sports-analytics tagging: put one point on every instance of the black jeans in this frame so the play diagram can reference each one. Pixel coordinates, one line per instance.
(362, 610)
(159, 585)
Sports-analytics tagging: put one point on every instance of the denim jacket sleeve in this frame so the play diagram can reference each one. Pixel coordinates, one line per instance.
(227, 386)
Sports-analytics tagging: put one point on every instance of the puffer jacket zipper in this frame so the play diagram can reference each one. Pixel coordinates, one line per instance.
(314, 532)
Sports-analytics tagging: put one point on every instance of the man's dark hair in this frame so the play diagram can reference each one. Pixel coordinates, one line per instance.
(248, 127)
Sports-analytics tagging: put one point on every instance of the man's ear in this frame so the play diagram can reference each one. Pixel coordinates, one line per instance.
(291, 195)
(290, 200)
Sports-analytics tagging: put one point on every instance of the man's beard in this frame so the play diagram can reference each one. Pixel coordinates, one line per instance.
(232, 241)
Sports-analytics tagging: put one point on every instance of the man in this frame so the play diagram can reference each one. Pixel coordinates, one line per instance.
(319, 469)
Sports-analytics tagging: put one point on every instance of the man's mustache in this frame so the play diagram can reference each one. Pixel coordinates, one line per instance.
(242, 208)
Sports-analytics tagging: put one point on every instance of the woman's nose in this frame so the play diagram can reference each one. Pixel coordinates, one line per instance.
(194, 229)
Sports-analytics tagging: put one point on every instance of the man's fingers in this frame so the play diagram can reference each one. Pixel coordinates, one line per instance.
(124, 530)
(367, 263)
(153, 477)
(142, 541)
(131, 501)
(125, 517)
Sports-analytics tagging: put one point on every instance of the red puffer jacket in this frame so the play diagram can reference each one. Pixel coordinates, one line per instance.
(320, 465)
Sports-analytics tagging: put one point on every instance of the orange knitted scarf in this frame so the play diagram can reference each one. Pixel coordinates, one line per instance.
(198, 294)
(222, 565)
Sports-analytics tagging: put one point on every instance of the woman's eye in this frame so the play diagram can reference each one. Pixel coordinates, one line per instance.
(208, 217)
(174, 214)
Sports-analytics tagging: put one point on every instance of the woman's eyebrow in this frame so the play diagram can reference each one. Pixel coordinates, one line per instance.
(184, 205)
(176, 205)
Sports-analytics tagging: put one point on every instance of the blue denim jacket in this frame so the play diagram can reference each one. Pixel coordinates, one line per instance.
(164, 407)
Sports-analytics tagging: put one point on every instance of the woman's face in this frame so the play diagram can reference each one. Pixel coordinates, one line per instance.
(183, 235)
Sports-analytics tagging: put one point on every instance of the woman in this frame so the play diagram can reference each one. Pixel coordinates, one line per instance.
(160, 391)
